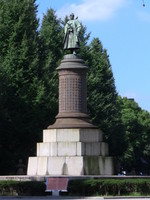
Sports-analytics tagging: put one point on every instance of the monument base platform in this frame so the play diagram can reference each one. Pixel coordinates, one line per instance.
(71, 152)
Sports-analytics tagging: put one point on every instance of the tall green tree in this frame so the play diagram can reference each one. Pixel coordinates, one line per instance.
(103, 106)
(22, 90)
(51, 36)
(137, 124)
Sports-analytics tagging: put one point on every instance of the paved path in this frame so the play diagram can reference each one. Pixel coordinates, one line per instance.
(73, 198)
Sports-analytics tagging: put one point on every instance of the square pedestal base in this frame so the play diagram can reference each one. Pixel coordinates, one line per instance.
(81, 165)
(71, 152)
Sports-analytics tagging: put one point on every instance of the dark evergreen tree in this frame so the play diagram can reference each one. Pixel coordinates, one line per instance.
(137, 124)
(102, 98)
(21, 90)
(51, 35)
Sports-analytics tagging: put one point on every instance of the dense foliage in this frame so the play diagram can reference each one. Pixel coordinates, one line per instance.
(22, 188)
(81, 187)
(51, 37)
(136, 157)
(103, 106)
(110, 187)
(21, 89)
(29, 56)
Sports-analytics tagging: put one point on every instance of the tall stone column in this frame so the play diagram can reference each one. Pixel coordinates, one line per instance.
(72, 94)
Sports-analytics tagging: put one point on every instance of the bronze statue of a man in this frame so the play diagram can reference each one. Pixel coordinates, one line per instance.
(72, 29)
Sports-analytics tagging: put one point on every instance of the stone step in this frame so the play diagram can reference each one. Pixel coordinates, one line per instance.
(72, 135)
(72, 149)
(76, 165)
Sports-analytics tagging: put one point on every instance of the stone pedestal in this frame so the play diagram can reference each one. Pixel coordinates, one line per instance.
(72, 94)
(72, 145)
(71, 152)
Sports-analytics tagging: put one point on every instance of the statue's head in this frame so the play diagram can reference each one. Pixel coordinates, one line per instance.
(72, 16)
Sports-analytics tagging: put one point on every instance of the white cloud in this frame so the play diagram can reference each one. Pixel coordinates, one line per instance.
(92, 9)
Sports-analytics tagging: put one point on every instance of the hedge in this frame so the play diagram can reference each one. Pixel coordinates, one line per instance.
(22, 188)
(80, 187)
(112, 187)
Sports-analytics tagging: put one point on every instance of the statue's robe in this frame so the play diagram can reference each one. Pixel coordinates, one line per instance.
(72, 29)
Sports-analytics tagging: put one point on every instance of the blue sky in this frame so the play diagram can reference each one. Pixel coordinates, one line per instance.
(123, 26)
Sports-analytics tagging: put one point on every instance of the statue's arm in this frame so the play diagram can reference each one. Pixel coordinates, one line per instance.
(78, 26)
(66, 28)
